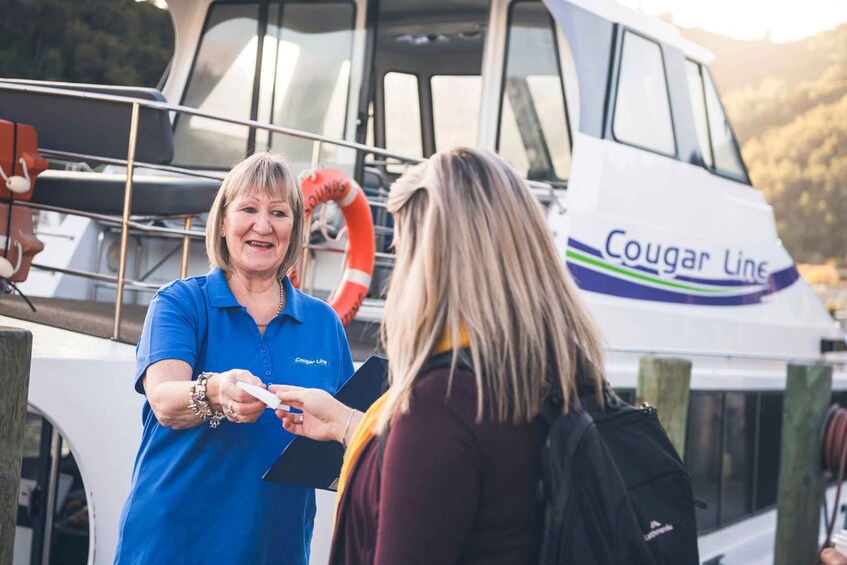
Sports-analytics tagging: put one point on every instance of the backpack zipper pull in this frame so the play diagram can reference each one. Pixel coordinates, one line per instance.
(647, 410)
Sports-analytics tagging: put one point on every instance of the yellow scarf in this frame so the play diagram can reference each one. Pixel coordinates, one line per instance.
(364, 432)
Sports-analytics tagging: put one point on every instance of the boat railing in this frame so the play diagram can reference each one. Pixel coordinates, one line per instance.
(128, 222)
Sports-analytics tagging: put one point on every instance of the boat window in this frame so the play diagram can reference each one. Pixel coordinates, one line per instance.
(738, 455)
(221, 81)
(732, 452)
(703, 453)
(696, 93)
(642, 110)
(402, 116)
(727, 158)
(455, 109)
(306, 52)
(312, 47)
(68, 528)
(770, 441)
(533, 134)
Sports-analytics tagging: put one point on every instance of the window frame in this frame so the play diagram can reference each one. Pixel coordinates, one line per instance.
(384, 122)
(701, 68)
(705, 115)
(263, 20)
(720, 521)
(351, 91)
(554, 29)
(262, 26)
(612, 98)
(431, 102)
(745, 178)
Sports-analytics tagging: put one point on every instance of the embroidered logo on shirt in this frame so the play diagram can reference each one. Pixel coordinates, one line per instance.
(301, 361)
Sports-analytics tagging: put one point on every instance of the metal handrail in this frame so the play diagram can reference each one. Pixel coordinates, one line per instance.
(81, 157)
(155, 105)
(100, 277)
(545, 192)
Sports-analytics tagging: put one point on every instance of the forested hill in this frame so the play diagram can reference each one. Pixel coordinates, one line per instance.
(94, 41)
(788, 106)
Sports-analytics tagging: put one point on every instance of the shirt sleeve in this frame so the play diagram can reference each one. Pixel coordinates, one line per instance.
(171, 331)
(430, 482)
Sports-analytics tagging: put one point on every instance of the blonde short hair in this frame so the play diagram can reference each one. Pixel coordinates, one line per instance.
(474, 255)
(262, 173)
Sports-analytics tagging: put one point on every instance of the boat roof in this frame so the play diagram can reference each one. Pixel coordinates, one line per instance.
(610, 10)
(639, 21)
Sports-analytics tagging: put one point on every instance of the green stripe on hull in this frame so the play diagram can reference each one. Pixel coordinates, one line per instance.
(577, 256)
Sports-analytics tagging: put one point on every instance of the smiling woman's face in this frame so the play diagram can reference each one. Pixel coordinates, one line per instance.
(257, 230)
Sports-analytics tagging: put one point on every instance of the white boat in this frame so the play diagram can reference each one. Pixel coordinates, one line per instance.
(612, 115)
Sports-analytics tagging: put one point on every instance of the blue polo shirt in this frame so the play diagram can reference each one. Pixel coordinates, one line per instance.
(197, 495)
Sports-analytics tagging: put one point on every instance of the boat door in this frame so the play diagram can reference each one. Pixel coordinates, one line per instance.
(489, 74)
(49, 479)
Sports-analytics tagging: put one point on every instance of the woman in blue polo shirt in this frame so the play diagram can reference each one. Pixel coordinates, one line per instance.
(197, 491)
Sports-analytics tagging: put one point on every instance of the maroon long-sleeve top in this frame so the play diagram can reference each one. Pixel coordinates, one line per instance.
(449, 490)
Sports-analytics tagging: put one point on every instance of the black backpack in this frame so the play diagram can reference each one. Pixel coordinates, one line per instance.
(615, 490)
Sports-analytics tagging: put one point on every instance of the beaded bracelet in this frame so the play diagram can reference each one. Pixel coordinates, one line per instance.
(199, 404)
(346, 429)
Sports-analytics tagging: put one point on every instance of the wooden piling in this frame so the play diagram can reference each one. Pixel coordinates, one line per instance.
(665, 384)
(801, 486)
(15, 355)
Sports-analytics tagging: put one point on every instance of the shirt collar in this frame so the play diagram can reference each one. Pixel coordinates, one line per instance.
(293, 301)
(221, 296)
(219, 292)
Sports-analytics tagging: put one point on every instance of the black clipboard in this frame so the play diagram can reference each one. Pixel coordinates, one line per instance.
(317, 464)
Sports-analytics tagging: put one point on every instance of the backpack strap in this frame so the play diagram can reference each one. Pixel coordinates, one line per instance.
(557, 480)
(583, 422)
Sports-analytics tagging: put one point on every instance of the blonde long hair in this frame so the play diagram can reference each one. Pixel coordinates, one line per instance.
(473, 253)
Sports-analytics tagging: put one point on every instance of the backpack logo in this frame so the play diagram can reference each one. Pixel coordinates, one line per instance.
(657, 529)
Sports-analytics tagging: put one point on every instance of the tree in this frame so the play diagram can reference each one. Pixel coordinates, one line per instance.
(802, 168)
(95, 41)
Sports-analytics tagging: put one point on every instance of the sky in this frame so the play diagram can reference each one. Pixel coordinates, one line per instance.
(785, 20)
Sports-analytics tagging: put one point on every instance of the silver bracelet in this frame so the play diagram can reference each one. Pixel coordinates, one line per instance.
(199, 404)
(346, 429)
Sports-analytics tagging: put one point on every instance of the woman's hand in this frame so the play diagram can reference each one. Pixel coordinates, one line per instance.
(323, 418)
(830, 556)
(224, 395)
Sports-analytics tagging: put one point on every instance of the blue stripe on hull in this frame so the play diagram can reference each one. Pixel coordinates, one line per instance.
(604, 283)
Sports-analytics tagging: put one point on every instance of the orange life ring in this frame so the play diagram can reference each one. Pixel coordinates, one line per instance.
(327, 184)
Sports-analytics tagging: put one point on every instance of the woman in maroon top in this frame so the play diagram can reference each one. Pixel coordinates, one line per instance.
(477, 281)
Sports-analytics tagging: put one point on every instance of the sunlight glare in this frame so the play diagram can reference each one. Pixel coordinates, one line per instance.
(781, 21)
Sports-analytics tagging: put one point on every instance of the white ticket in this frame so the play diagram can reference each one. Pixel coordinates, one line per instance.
(266, 396)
